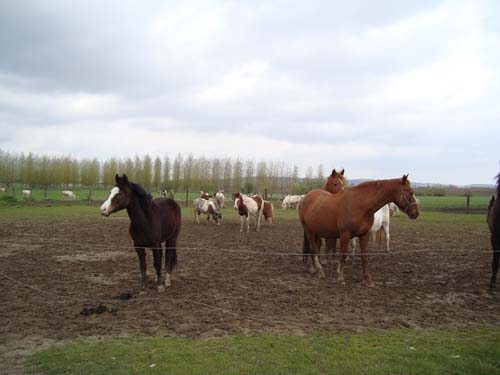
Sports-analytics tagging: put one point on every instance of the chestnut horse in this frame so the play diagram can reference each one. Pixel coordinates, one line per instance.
(349, 214)
(151, 223)
(334, 183)
(494, 225)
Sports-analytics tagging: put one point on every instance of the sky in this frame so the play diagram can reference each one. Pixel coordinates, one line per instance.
(380, 88)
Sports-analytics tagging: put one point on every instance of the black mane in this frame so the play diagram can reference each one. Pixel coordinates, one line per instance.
(145, 198)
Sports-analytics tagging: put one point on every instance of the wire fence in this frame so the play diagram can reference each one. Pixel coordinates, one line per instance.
(26, 241)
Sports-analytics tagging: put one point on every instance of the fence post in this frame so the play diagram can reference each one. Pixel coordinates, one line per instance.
(187, 195)
(468, 195)
(265, 194)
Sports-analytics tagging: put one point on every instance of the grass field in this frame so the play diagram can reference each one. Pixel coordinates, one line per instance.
(466, 351)
(428, 203)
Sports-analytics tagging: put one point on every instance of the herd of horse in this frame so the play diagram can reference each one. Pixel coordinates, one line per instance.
(333, 213)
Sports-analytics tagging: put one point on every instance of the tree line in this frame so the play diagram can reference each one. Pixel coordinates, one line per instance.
(189, 172)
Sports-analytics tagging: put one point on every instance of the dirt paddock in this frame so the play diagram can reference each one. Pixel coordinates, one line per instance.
(64, 280)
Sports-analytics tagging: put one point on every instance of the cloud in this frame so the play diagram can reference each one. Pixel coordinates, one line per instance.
(375, 87)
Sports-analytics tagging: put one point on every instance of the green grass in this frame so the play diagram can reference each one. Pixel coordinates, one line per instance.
(467, 351)
(453, 202)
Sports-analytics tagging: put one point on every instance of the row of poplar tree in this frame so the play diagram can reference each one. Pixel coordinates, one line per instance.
(180, 173)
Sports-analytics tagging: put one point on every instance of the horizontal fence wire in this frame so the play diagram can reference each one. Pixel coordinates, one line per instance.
(203, 248)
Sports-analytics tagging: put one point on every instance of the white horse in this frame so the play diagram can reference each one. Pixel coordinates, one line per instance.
(219, 197)
(27, 193)
(208, 207)
(247, 206)
(68, 194)
(381, 221)
(2, 190)
(291, 201)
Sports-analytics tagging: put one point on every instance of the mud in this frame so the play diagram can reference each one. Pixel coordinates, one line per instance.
(230, 283)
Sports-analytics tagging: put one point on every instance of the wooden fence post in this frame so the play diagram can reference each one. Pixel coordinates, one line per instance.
(468, 195)
(187, 195)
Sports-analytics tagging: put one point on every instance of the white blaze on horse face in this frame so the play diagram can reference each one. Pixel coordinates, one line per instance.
(106, 206)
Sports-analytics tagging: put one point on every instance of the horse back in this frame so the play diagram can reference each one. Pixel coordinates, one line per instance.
(168, 213)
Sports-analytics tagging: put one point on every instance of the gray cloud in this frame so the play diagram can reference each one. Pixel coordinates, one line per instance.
(378, 76)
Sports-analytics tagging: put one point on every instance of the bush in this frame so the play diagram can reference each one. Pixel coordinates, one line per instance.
(8, 199)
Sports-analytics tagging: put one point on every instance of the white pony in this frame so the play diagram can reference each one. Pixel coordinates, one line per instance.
(381, 221)
(27, 193)
(68, 194)
(219, 197)
(291, 201)
(208, 207)
(253, 205)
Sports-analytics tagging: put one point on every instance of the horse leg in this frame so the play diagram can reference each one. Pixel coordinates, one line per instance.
(363, 244)
(258, 219)
(197, 216)
(141, 252)
(241, 223)
(247, 218)
(345, 240)
(387, 237)
(314, 252)
(170, 260)
(157, 255)
(495, 263)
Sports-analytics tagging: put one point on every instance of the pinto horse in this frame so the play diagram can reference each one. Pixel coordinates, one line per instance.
(209, 207)
(493, 220)
(151, 223)
(254, 205)
(349, 214)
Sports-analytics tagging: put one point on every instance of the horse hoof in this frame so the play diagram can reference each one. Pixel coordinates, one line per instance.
(161, 288)
(341, 282)
(369, 284)
(142, 292)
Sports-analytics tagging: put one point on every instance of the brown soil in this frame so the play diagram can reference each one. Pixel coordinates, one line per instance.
(232, 283)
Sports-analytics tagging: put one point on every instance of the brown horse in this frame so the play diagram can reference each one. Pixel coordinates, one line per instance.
(349, 214)
(493, 219)
(334, 184)
(151, 223)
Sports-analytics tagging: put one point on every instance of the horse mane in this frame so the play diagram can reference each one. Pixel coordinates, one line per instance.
(145, 199)
(498, 184)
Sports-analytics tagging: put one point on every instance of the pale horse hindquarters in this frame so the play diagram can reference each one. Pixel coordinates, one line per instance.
(381, 222)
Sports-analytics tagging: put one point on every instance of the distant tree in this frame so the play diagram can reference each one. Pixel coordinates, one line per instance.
(166, 172)
(237, 175)
(147, 168)
(176, 172)
(157, 173)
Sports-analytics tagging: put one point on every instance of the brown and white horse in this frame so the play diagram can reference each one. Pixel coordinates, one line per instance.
(254, 206)
(152, 221)
(349, 214)
(268, 212)
(493, 220)
(208, 207)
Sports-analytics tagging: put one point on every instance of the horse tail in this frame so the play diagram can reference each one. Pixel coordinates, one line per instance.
(306, 250)
(171, 255)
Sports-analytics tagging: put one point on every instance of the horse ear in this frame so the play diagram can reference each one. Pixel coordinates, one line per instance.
(333, 172)
(342, 172)
(117, 178)
(405, 178)
(125, 178)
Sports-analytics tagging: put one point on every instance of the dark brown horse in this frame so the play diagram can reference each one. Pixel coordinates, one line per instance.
(151, 223)
(494, 224)
(349, 214)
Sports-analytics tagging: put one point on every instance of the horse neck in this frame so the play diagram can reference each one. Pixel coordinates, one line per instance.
(385, 191)
(139, 217)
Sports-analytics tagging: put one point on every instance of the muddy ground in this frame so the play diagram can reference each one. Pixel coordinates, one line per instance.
(55, 276)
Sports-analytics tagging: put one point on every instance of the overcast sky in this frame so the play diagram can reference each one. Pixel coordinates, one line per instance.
(380, 88)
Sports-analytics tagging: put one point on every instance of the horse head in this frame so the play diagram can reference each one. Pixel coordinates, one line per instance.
(236, 197)
(407, 202)
(335, 182)
(119, 196)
